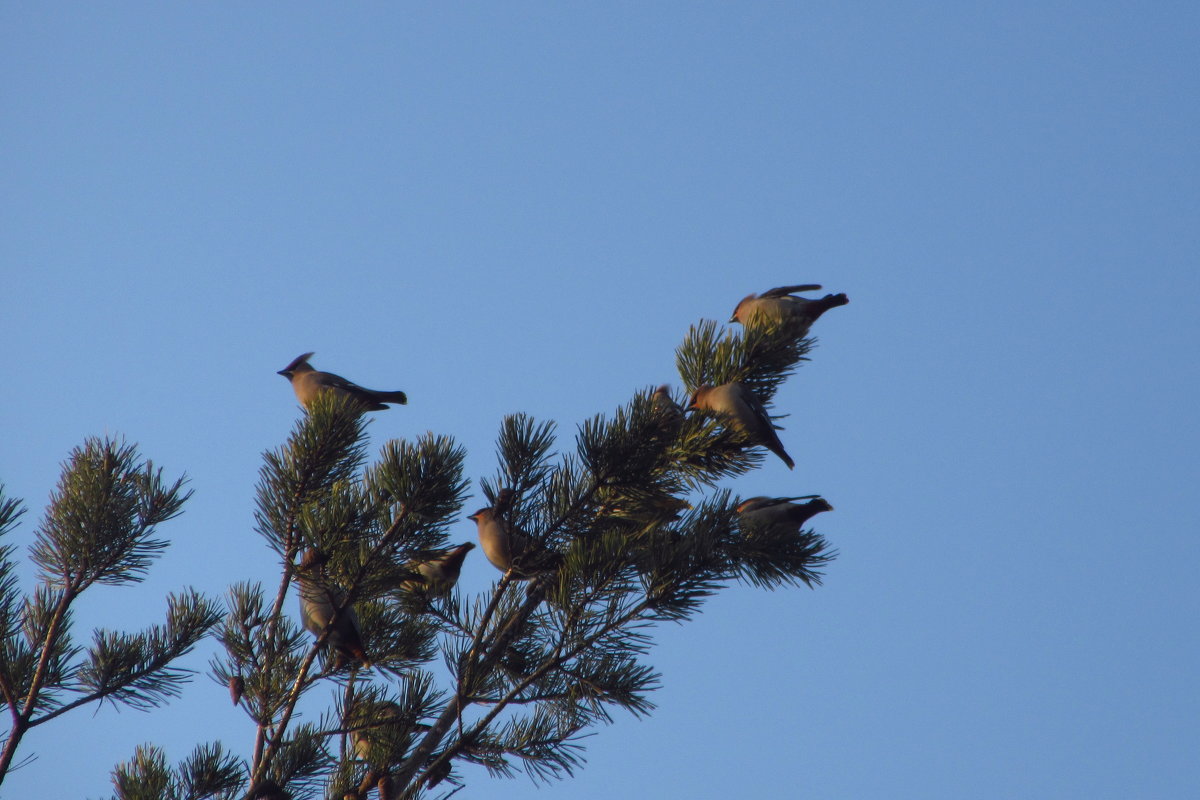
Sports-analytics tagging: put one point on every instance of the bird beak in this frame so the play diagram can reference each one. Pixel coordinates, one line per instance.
(287, 373)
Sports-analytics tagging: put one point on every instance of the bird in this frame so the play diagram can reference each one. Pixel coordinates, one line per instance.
(781, 510)
(318, 605)
(743, 411)
(779, 305)
(510, 549)
(644, 507)
(667, 414)
(436, 576)
(665, 403)
(377, 721)
(307, 383)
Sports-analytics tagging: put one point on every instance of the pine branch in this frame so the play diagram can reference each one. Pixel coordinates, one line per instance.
(98, 529)
(144, 777)
(210, 772)
(324, 448)
(135, 669)
(628, 552)
(100, 519)
(411, 484)
(10, 602)
(480, 726)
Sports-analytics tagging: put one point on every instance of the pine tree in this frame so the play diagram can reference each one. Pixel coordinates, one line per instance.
(98, 530)
(411, 679)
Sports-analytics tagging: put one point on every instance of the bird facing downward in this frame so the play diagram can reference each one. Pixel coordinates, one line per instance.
(322, 604)
(740, 409)
(307, 383)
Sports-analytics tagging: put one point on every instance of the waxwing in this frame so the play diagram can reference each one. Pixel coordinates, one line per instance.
(665, 403)
(510, 549)
(383, 715)
(779, 305)
(439, 573)
(741, 410)
(781, 510)
(318, 604)
(307, 383)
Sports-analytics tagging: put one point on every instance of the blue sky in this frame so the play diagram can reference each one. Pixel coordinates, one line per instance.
(523, 206)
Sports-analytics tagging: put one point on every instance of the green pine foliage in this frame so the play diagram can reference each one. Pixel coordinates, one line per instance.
(393, 691)
(99, 528)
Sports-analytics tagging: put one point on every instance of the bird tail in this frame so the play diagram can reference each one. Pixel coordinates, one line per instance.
(833, 301)
(390, 397)
(356, 650)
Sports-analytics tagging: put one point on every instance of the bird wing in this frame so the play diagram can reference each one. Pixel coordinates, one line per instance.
(784, 291)
(756, 407)
(338, 382)
(775, 502)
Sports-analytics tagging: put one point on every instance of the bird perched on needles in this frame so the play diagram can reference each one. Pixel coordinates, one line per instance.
(436, 576)
(510, 549)
(373, 727)
(740, 409)
(781, 510)
(665, 403)
(307, 383)
(779, 305)
(318, 605)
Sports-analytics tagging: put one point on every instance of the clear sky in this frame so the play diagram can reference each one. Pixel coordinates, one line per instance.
(503, 207)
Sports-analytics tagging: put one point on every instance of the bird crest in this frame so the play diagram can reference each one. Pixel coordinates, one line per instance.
(297, 362)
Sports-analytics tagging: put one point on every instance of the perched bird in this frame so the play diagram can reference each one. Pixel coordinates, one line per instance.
(375, 723)
(437, 575)
(641, 507)
(318, 604)
(780, 306)
(781, 510)
(509, 549)
(665, 403)
(380, 736)
(742, 410)
(307, 383)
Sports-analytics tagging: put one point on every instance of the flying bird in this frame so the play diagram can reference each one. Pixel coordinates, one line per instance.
(318, 605)
(307, 383)
(436, 576)
(780, 306)
(740, 409)
(781, 510)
